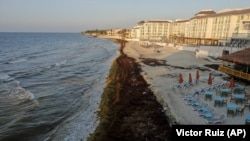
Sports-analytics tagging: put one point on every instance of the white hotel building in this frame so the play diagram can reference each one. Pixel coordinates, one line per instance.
(153, 30)
(231, 27)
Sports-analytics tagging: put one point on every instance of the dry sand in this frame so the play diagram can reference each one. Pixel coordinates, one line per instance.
(162, 77)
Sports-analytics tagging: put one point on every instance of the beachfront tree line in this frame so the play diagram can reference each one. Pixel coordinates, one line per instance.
(95, 32)
(121, 33)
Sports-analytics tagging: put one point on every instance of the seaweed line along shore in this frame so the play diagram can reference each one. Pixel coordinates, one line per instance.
(129, 110)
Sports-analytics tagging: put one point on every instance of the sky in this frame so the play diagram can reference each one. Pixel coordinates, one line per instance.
(82, 15)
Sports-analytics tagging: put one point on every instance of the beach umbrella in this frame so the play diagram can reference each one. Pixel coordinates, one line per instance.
(231, 83)
(180, 78)
(209, 81)
(197, 75)
(190, 78)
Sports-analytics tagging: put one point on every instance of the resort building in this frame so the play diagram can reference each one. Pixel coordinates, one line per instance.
(179, 29)
(200, 28)
(135, 31)
(241, 36)
(226, 27)
(114, 32)
(155, 30)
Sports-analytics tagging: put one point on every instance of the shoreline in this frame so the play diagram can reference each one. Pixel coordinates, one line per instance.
(129, 109)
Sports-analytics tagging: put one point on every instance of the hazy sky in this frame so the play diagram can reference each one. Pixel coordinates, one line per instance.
(81, 15)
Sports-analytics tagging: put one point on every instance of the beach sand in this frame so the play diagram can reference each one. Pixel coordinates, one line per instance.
(161, 67)
(140, 103)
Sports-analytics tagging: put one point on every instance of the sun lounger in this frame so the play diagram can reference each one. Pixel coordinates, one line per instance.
(208, 115)
(206, 112)
(203, 80)
(176, 86)
(196, 91)
(220, 119)
(187, 96)
(202, 90)
(194, 103)
(190, 100)
(199, 108)
(188, 84)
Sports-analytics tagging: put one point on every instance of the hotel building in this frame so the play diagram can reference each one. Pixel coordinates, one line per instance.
(229, 27)
(209, 27)
(155, 30)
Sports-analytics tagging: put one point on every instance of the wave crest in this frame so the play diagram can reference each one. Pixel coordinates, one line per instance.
(21, 93)
(19, 60)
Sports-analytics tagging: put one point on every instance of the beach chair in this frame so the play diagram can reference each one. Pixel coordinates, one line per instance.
(177, 86)
(204, 80)
(187, 95)
(188, 84)
(240, 110)
(196, 91)
(206, 112)
(202, 90)
(194, 102)
(220, 119)
(223, 85)
(199, 108)
(191, 100)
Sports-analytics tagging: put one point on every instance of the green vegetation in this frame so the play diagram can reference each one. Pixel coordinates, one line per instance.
(97, 32)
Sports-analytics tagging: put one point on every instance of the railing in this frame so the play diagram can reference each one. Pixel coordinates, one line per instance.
(233, 72)
(241, 35)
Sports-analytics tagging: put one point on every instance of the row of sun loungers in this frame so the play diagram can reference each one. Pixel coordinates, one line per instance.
(203, 110)
(192, 98)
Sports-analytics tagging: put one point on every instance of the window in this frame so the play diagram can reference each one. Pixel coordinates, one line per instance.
(246, 26)
(238, 19)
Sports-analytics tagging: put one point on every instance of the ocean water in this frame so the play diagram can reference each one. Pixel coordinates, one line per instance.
(51, 84)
